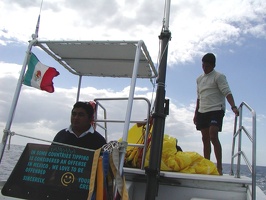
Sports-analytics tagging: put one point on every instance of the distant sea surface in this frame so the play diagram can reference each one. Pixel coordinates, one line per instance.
(11, 157)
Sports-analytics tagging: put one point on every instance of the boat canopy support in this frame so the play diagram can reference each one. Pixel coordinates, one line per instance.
(11, 114)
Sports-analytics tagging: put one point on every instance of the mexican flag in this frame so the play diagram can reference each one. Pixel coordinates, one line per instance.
(39, 75)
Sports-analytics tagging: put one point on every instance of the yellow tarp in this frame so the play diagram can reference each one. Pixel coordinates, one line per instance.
(172, 160)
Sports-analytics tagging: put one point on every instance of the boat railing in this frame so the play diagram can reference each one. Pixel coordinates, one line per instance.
(103, 121)
(237, 138)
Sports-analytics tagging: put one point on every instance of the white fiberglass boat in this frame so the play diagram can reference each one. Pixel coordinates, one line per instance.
(131, 59)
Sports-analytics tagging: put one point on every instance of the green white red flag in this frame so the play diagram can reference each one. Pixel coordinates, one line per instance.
(39, 75)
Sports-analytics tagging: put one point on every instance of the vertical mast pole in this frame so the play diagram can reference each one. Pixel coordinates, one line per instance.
(14, 102)
(159, 115)
(17, 91)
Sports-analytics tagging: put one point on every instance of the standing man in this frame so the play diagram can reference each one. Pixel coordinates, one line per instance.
(212, 89)
(81, 131)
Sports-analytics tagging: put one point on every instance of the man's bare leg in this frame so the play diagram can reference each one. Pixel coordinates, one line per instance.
(213, 130)
(206, 143)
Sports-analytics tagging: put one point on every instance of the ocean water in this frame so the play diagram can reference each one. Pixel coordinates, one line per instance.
(11, 157)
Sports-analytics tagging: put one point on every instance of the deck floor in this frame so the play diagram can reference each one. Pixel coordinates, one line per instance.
(189, 186)
(177, 175)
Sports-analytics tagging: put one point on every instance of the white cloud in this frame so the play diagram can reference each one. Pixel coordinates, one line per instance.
(9, 69)
(195, 26)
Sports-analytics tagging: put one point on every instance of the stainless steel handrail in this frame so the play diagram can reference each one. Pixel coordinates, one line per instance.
(239, 153)
(105, 120)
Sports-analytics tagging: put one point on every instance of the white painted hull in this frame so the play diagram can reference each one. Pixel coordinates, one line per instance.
(190, 187)
(179, 186)
(175, 185)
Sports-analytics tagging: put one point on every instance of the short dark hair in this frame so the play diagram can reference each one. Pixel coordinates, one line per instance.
(86, 106)
(209, 58)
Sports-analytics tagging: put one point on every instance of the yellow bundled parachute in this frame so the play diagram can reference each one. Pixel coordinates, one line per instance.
(172, 160)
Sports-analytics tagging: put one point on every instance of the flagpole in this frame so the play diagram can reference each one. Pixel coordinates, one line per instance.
(35, 35)
(14, 102)
(11, 114)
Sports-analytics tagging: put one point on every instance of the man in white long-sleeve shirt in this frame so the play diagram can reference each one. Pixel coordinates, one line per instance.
(212, 89)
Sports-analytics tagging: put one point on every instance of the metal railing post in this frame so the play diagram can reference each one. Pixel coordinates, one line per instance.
(240, 153)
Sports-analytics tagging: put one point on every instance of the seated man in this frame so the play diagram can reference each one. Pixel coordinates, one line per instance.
(81, 133)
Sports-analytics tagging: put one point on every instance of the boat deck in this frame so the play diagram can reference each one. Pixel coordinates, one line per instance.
(177, 175)
(189, 186)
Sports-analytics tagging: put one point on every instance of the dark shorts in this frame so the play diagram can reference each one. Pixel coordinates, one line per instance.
(213, 118)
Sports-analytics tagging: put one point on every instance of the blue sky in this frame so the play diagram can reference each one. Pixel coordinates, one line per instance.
(235, 31)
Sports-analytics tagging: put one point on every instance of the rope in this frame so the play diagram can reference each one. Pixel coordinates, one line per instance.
(112, 150)
(43, 140)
